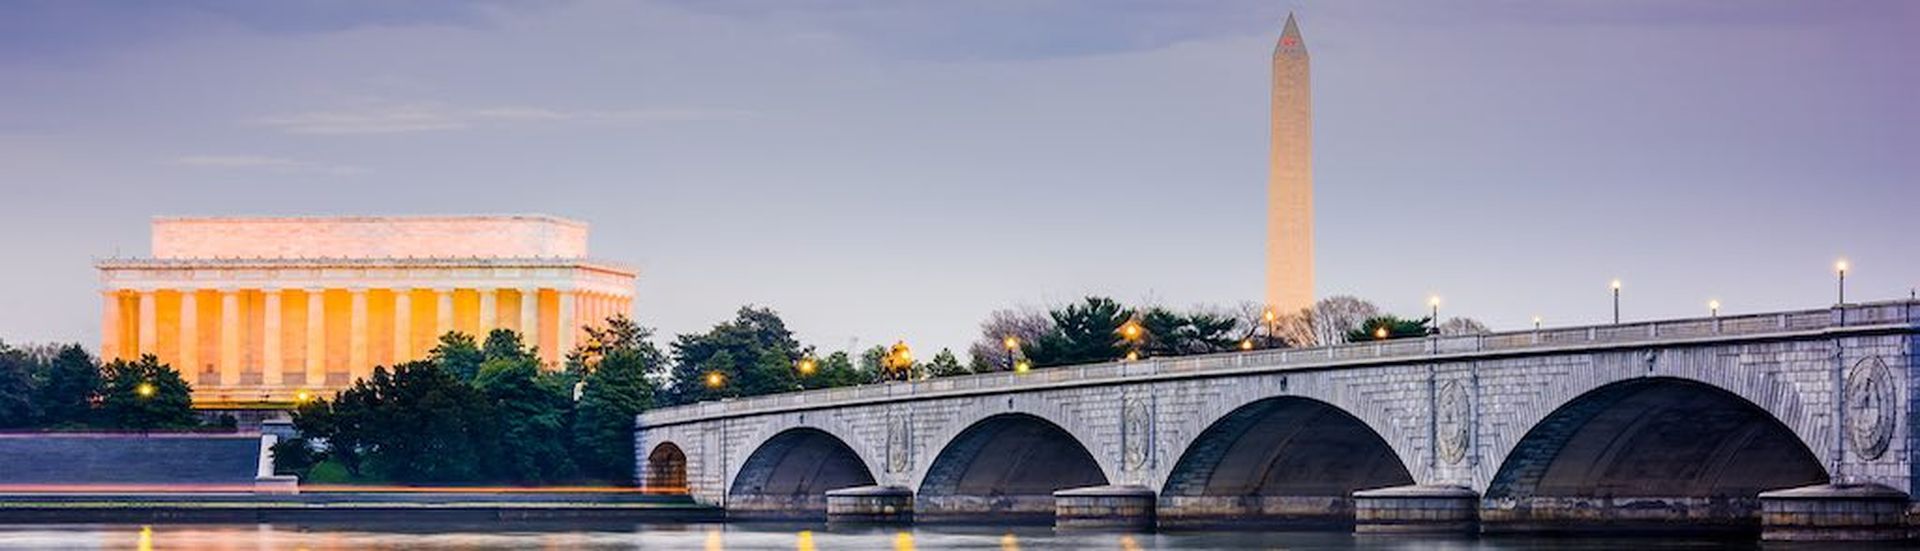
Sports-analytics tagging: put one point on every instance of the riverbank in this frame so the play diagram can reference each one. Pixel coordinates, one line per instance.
(464, 505)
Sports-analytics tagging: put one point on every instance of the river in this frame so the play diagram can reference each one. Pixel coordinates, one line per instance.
(715, 537)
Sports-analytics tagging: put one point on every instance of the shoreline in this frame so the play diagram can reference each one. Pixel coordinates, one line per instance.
(69, 508)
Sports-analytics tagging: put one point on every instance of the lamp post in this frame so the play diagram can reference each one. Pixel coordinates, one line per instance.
(1130, 332)
(1013, 344)
(1269, 317)
(1536, 323)
(1713, 307)
(1840, 267)
(1434, 303)
(1616, 301)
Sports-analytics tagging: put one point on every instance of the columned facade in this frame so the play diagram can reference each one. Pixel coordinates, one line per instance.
(263, 331)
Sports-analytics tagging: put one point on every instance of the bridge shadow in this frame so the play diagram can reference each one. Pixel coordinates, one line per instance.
(1004, 469)
(788, 477)
(1648, 454)
(1286, 462)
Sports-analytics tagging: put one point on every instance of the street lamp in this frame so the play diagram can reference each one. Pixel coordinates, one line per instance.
(1380, 332)
(1536, 323)
(145, 390)
(1434, 303)
(1246, 344)
(1269, 317)
(1713, 306)
(1840, 267)
(807, 366)
(1616, 301)
(1021, 366)
(1013, 345)
(716, 380)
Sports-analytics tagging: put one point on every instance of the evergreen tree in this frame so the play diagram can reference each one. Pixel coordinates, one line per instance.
(751, 355)
(17, 369)
(616, 391)
(1082, 333)
(945, 364)
(146, 394)
(531, 411)
(71, 383)
(1387, 327)
(458, 355)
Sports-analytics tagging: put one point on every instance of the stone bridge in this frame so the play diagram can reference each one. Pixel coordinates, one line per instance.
(1678, 423)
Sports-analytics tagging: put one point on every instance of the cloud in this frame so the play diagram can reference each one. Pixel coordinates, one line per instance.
(402, 118)
(269, 164)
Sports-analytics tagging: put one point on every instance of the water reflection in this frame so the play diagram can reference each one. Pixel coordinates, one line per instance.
(737, 537)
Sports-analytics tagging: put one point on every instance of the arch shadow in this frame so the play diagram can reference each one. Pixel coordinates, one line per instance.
(788, 476)
(1656, 453)
(665, 472)
(1286, 461)
(1004, 468)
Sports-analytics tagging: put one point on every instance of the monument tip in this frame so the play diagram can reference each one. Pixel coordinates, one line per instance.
(1290, 38)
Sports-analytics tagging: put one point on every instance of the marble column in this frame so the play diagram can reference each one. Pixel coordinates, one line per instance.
(402, 326)
(443, 313)
(569, 326)
(273, 365)
(110, 325)
(357, 365)
(149, 332)
(189, 367)
(489, 312)
(530, 316)
(316, 352)
(229, 337)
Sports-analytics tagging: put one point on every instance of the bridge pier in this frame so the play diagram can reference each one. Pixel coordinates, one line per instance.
(870, 505)
(1105, 507)
(1425, 508)
(1834, 512)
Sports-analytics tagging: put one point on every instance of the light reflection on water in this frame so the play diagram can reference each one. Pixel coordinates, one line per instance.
(735, 537)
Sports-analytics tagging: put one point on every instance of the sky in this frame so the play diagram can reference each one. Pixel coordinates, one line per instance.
(883, 170)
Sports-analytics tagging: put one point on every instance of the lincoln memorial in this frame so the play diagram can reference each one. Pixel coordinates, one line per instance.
(266, 311)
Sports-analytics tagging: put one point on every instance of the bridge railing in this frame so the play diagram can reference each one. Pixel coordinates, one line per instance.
(1853, 315)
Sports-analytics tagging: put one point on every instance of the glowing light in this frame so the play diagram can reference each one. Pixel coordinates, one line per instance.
(1131, 330)
(715, 379)
(1009, 542)
(1011, 342)
(807, 366)
(1022, 366)
(903, 541)
(1380, 332)
(146, 538)
(1536, 321)
(1246, 344)
(1714, 305)
(714, 541)
(1616, 284)
(1269, 316)
(303, 397)
(144, 390)
(1840, 266)
(1133, 355)
(1433, 301)
(804, 541)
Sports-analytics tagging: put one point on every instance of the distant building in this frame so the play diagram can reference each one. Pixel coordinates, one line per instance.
(257, 311)
(1290, 177)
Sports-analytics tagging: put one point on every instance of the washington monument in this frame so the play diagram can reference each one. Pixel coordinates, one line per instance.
(1290, 178)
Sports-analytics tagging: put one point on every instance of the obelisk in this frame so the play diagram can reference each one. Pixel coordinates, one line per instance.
(1290, 178)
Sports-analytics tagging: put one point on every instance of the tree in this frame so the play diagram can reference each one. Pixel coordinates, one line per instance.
(620, 333)
(616, 391)
(531, 412)
(1387, 328)
(146, 394)
(506, 344)
(1167, 333)
(17, 406)
(990, 353)
(1336, 318)
(1463, 326)
(72, 382)
(458, 355)
(945, 364)
(836, 370)
(416, 423)
(751, 355)
(1082, 333)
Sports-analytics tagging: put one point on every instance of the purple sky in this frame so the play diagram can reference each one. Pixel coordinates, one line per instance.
(881, 170)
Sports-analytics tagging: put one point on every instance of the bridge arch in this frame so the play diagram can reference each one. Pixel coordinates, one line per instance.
(1279, 460)
(665, 471)
(788, 475)
(1652, 450)
(1005, 467)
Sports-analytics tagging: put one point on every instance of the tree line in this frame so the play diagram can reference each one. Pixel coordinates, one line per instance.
(65, 388)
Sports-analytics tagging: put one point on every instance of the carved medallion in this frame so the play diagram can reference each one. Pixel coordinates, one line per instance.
(1870, 407)
(898, 458)
(1136, 437)
(1450, 422)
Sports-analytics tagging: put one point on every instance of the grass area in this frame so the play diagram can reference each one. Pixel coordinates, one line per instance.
(332, 472)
